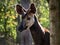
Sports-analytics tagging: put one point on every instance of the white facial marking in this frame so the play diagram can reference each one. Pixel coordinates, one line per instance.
(30, 22)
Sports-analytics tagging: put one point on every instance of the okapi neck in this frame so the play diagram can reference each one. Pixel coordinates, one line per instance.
(35, 26)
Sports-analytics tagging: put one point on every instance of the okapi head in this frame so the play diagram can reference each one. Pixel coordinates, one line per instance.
(27, 16)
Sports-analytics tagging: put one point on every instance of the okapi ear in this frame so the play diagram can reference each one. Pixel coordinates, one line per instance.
(32, 8)
(19, 9)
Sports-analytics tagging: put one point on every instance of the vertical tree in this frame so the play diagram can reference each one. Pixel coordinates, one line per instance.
(55, 21)
(25, 3)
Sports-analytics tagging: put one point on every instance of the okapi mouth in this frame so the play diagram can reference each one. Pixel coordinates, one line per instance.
(25, 27)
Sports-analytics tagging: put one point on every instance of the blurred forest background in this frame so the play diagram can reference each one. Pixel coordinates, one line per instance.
(9, 19)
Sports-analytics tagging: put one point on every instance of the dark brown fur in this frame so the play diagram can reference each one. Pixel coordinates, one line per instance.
(38, 36)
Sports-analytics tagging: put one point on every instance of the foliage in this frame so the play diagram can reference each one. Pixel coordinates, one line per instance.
(44, 9)
(8, 18)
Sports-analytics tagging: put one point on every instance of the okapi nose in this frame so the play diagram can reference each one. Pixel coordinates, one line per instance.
(21, 27)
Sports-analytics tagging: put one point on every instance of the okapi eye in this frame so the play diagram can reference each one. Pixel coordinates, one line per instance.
(28, 18)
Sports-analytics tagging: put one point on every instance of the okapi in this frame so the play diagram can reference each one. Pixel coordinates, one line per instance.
(29, 21)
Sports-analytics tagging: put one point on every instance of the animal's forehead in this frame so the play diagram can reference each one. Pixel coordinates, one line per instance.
(27, 15)
(24, 16)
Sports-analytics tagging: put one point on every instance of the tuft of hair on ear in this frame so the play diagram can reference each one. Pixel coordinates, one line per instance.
(32, 8)
(19, 9)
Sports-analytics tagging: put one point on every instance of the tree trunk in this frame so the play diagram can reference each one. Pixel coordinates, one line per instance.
(25, 3)
(55, 21)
